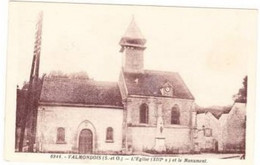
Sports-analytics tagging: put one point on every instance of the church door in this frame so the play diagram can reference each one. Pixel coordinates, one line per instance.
(85, 141)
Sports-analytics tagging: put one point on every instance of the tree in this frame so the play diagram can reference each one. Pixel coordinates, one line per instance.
(79, 75)
(241, 96)
(59, 74)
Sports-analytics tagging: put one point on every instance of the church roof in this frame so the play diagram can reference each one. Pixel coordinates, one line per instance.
(81, 91)
(149, 83)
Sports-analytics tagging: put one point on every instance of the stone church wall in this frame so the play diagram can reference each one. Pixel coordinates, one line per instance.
(142, 136)
(133, 107)
(73, 119)
(177, 140)
(133, 61)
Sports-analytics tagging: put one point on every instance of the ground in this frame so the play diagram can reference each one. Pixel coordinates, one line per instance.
(202, 155)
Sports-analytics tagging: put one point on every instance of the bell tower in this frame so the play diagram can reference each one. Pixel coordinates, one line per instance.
(132, 47)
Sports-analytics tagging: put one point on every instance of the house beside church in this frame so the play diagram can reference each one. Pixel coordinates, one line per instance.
(221, 130)
(209, 132)
(146, 110)
(234, 129)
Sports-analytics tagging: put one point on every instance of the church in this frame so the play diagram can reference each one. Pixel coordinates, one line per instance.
(145, 111)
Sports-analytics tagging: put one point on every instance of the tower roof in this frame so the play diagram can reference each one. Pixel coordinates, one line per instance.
(133, 36)
(133, 31)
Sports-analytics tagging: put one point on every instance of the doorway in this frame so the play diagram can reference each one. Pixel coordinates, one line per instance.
(85, 141)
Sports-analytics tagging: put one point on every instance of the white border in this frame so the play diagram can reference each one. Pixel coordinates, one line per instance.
(251, 4)
(181, 3)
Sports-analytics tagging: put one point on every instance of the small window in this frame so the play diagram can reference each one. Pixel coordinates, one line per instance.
(175, 115)
(60, 135)
(208, 132)
(144, 113)
(109, 135)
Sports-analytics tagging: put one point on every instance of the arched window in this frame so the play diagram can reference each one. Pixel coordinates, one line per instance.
(60, 135)
(144, 113)
(109, 135)
(175, 115)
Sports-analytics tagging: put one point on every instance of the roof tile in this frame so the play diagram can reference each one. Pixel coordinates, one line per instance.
(76, 91)
(150, 82)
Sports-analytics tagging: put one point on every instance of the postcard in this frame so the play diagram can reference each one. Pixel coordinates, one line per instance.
(96, 83)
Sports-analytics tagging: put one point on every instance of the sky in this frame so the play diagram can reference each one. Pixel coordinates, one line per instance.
(209, 48)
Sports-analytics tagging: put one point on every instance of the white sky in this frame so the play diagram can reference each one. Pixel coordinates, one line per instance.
(208, 47)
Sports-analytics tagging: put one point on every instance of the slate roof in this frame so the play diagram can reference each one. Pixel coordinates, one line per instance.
(80, 91)
(150, 82)
(133, 31)
(133, 37)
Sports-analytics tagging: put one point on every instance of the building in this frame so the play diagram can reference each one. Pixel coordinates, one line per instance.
(145, 111)
(221, 130)
(209, 132)
(234, 129)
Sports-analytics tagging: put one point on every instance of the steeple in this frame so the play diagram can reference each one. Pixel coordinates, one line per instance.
(132, 47)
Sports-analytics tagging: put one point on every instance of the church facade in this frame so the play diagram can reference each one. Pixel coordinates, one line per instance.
(145, 111)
